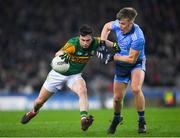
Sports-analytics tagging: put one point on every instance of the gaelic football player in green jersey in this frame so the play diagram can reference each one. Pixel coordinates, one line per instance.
(77, 51)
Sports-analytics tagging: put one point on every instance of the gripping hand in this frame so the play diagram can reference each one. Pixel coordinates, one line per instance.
(66, 56)
(108, 58)
(101, 50)
(116, 47)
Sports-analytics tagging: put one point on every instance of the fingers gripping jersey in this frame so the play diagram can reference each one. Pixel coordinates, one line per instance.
(79, 56)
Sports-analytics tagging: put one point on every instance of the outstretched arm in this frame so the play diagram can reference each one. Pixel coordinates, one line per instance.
(102, 52)
(104, 35)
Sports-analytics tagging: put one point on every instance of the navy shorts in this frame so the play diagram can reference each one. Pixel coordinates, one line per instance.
(123, 70)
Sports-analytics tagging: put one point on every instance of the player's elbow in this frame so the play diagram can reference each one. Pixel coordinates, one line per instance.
(60, 52)
(107, 27)
(132, 60)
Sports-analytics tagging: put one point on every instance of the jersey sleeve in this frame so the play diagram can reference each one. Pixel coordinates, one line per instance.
(68, 47)
(115, 25)
(138, 44)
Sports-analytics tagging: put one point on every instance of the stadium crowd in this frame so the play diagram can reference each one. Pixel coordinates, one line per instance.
(31, 31)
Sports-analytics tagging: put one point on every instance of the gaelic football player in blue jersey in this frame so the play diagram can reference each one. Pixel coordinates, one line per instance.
(129, 63)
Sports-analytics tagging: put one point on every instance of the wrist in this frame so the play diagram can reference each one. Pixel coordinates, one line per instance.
(115, 57)
(102, 42)
(114, 44)
(59, 53)
(116, 47)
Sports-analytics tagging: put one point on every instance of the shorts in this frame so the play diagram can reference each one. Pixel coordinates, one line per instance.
(55, 81)
(123, 71)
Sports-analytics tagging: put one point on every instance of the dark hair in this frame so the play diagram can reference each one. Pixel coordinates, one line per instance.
(85, 30)
(127, 12)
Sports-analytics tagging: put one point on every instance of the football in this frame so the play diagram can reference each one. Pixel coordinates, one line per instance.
(59, 65)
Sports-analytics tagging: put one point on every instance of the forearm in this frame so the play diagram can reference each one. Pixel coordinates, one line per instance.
(60, 52)
(109, 43)
(127, 59)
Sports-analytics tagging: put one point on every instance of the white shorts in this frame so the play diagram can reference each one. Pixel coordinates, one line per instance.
(55, 81)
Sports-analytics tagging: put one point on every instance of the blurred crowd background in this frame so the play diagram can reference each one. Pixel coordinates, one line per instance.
(31, 31)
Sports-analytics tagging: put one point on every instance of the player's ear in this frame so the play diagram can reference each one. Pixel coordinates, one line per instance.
(132, 21)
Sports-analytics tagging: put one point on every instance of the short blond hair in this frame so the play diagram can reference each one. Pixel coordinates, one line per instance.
(127, 12)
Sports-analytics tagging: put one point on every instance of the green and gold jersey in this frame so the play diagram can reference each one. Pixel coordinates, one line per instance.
(79, 56)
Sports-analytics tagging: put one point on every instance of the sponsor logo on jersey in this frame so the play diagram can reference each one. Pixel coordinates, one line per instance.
(80, 59)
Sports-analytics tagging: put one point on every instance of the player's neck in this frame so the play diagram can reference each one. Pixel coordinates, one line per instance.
(130, 29)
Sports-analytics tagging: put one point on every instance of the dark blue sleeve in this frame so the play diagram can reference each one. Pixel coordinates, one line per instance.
(138, 44)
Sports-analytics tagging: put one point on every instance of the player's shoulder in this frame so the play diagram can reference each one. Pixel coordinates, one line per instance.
(114, 24)
(137, 34)
(74, 40)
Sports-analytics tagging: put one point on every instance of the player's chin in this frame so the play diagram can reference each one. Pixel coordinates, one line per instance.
(123, 32)
(85, 46)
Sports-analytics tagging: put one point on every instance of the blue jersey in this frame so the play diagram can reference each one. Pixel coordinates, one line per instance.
(135, 40)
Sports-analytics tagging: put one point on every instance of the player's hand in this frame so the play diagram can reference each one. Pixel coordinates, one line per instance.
(116, 47)
(66, 56)
(101, 50)
(108, 58)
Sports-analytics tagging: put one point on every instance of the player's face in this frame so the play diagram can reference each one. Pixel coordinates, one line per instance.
(85, 41)
(125, 25)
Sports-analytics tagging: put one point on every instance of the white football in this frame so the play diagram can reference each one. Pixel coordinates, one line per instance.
(59, 65)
